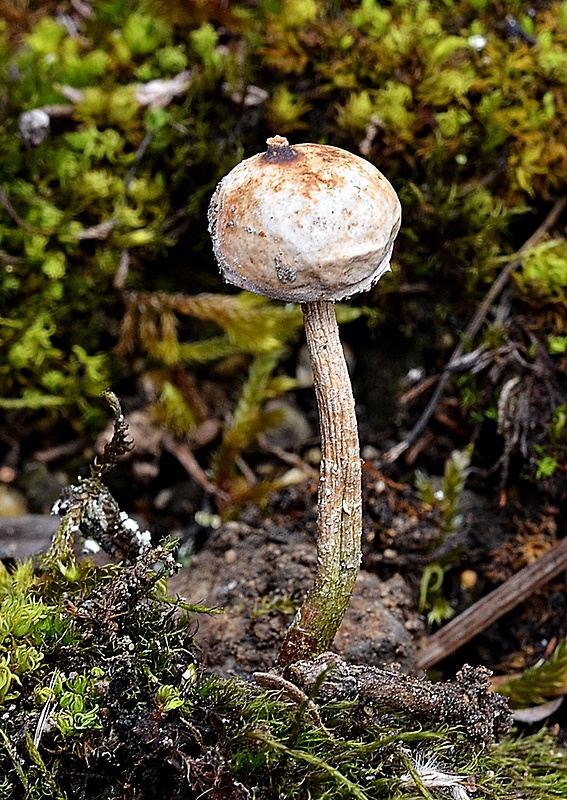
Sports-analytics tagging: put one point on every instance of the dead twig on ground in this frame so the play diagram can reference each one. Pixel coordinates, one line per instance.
(15, 217)
(271, 680)
(494, 605)
(468, 702)
(59, 451)
(188, 461)
(472, 330)
(291, 459)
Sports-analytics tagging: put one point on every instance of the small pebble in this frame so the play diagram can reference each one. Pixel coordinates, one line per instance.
(468, 579)
(12, 502)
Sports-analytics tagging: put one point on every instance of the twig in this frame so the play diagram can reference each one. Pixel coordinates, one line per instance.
(59, 451)
(188, 461)
(271, 680)
(58, 110)
(140, 153)
(291, 459)
(9, 259)
(494, 605)
(83, 9)
(416, 391)
(468, 702)
(15, 217)
(473, 328)
(121, 273)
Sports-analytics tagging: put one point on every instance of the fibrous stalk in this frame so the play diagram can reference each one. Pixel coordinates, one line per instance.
(339, 520)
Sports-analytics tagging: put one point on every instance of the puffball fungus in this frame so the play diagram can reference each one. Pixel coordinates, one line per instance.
(302, 223)
(312, 224)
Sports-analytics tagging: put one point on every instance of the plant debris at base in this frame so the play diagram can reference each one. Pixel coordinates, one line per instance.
(102, 696)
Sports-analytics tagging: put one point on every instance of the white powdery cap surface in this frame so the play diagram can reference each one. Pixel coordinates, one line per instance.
(304, 222)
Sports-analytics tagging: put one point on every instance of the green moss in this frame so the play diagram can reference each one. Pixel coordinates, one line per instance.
(542, 277)
(465, 119)
(91, 194)
(539, 683)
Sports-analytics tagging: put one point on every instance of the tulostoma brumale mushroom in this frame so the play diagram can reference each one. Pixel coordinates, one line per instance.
(313, 224)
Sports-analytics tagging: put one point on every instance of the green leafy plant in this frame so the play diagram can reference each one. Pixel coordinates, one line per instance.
(557, 345)
(446, 498)
(84, 200)
(537, 684)
(77, 640)
(546, 464)
(167, 698)
(550, 455)
(28, 628)
(74, 702)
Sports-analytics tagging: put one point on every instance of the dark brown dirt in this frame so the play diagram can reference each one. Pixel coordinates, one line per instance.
(258, 575)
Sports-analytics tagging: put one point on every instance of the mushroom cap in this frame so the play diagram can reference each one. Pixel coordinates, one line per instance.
(302, 223)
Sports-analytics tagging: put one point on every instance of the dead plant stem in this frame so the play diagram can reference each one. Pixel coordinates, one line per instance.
(472, 330)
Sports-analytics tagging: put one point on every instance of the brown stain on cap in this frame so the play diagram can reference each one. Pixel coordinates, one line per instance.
(313, 168)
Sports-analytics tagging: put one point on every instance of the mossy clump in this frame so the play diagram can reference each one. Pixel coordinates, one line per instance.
(96, 139)
(89, 652)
